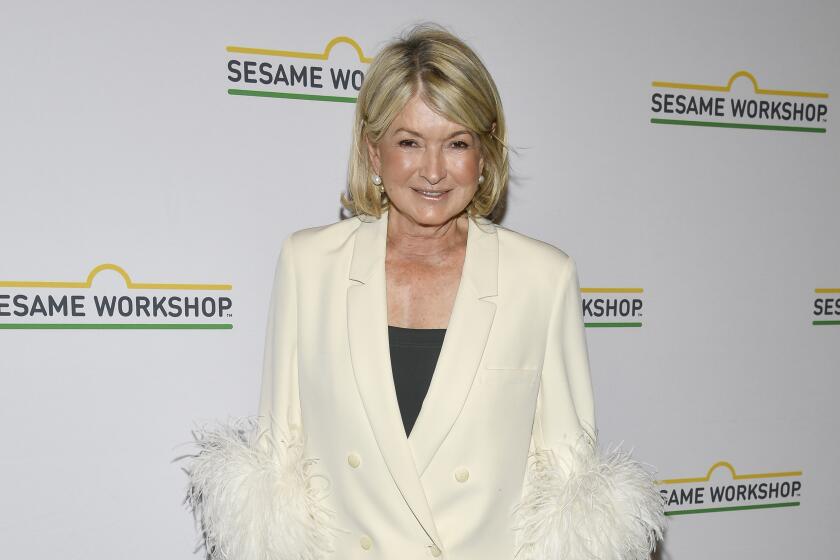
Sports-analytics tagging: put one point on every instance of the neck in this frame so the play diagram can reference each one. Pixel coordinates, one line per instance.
(407, 237)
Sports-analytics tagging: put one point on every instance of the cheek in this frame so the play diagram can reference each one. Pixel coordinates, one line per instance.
(466, 166)
(397, 162)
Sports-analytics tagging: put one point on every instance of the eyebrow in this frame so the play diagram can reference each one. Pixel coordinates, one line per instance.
(415, 133)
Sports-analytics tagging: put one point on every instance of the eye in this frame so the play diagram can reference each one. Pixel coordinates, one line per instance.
(460, 145)
(407, 143)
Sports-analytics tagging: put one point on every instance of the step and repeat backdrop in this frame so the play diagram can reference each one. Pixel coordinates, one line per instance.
(155, 154)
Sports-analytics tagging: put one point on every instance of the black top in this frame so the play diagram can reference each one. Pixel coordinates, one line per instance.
(414, 354)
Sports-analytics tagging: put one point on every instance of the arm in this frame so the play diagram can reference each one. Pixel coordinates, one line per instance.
(565, 405)
(250, 483)
(579, 502)
(279, 404)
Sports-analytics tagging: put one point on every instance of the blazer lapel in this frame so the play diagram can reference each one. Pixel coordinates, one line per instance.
(367, 324)
(463, 346)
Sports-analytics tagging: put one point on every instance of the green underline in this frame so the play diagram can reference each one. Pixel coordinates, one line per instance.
(611, 325)
(284, 95)
(823, 323)
(731, 508)
(739, 125)
(115, 326)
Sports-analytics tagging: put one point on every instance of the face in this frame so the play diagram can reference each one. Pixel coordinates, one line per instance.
(429, 165)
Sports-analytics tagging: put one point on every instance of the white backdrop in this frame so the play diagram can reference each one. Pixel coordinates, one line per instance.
(126, 143)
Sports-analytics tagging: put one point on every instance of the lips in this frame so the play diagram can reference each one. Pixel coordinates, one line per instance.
(434, 195)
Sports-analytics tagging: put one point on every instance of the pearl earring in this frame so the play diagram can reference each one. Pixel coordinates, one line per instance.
(480, 179)
(377, 180)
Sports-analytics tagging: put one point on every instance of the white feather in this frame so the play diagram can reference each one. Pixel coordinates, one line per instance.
(254, 495)
(585, 504)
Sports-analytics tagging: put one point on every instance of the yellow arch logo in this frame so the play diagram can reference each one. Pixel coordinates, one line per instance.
(129, 283)
(307, 55)
(612, 290)
(728, 87)
(735, 476)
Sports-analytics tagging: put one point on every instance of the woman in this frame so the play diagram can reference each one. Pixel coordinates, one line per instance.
(368, 443)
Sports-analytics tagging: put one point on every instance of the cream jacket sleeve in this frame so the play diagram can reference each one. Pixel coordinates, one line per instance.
(578, 500)
(279, 395)
(565, 375)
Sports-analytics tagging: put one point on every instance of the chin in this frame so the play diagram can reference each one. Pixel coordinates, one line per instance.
(425, 214)
(435, 218)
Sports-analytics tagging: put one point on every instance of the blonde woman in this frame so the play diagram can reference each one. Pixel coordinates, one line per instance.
(426, 389)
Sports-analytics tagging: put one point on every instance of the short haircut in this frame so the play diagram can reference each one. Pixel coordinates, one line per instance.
(453, 82)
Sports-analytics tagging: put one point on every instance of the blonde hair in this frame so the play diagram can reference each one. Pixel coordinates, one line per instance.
(453, 82)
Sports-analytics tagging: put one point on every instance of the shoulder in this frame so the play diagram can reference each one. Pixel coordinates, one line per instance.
(319, 239)
(315, 246)
(530, 255)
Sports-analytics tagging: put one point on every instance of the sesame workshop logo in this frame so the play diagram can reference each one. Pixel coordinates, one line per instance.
(114, 301)
(334, 75)
(716, 493)
(738, 104)
(612, 307)
(826, 307)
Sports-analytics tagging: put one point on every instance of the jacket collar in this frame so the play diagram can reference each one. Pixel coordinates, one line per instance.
(481, 274)
(463, 347)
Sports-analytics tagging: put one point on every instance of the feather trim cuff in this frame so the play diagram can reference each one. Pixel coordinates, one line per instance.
(254, 495)
(588, 505)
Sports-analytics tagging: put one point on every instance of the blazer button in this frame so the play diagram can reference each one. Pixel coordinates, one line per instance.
(354, 460)
(434, 550)
(462, 474)
(366, 542)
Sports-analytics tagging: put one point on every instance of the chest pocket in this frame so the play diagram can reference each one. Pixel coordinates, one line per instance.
(495, 376)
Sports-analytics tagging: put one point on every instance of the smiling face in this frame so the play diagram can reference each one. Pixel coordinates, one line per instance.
(429, 165)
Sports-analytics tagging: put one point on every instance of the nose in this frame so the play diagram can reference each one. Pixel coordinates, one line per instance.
(433, 166)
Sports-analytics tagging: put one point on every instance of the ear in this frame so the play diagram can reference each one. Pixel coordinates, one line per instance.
(373, 155)
(481, 159)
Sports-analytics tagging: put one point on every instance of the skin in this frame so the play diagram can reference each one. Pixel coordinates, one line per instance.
(426, 245)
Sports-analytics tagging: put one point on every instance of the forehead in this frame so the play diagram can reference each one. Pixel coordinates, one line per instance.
(418, 117)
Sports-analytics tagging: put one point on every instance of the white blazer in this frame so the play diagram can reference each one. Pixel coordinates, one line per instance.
(512, 376)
